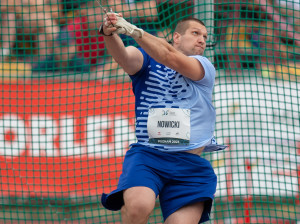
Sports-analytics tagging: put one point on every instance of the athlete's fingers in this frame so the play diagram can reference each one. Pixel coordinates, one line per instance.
(111, 29)
(112, 18)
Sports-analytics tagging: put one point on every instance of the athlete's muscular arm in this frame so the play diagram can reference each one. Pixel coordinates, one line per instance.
(166, 54)
(129, 58)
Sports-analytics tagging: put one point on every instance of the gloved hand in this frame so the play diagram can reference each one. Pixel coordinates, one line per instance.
(124, 27)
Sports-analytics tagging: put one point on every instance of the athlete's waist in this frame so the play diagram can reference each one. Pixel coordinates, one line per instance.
(191, 148)
(197, 151)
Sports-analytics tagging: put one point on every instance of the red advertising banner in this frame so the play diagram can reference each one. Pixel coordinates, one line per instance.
(63, 139)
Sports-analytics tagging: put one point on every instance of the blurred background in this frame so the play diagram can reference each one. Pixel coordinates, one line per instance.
(67, 109)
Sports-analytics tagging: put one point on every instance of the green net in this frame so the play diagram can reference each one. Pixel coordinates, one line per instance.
(67, 109)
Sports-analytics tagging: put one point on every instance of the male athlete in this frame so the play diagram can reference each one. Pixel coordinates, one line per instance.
(175, 121)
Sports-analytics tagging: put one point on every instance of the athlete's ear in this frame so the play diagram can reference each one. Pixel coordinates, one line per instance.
(176, 37)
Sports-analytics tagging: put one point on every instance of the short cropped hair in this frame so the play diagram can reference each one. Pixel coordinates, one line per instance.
(182, 25)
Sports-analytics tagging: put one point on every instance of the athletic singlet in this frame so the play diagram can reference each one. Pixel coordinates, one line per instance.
(161, 92)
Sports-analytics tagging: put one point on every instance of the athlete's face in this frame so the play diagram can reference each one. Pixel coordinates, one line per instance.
(193, 41)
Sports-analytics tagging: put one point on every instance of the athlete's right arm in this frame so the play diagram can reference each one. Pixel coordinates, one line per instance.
(129, 58)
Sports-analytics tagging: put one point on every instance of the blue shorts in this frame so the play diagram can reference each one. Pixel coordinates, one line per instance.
(179, 178)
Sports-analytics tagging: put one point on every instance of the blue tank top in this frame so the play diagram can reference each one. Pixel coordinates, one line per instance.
(157, 86)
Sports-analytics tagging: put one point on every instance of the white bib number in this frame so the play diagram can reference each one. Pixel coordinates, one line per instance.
(169, 126)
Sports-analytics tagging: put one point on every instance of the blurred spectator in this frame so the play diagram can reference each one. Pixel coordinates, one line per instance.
(78, 46)
(56, 9)
(7, 30)
(291, 4)
(8, 27)
(291, 10)
(29, 23)
(255, 40)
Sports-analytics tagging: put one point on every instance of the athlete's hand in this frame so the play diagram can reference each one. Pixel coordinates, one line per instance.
(124, 27)
(115, 23)
(108, 27)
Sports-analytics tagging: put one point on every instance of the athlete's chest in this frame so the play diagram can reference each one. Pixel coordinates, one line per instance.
(166, 79)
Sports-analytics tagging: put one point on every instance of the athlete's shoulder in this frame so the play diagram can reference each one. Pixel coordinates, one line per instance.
(203, 59)
(206, 63)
